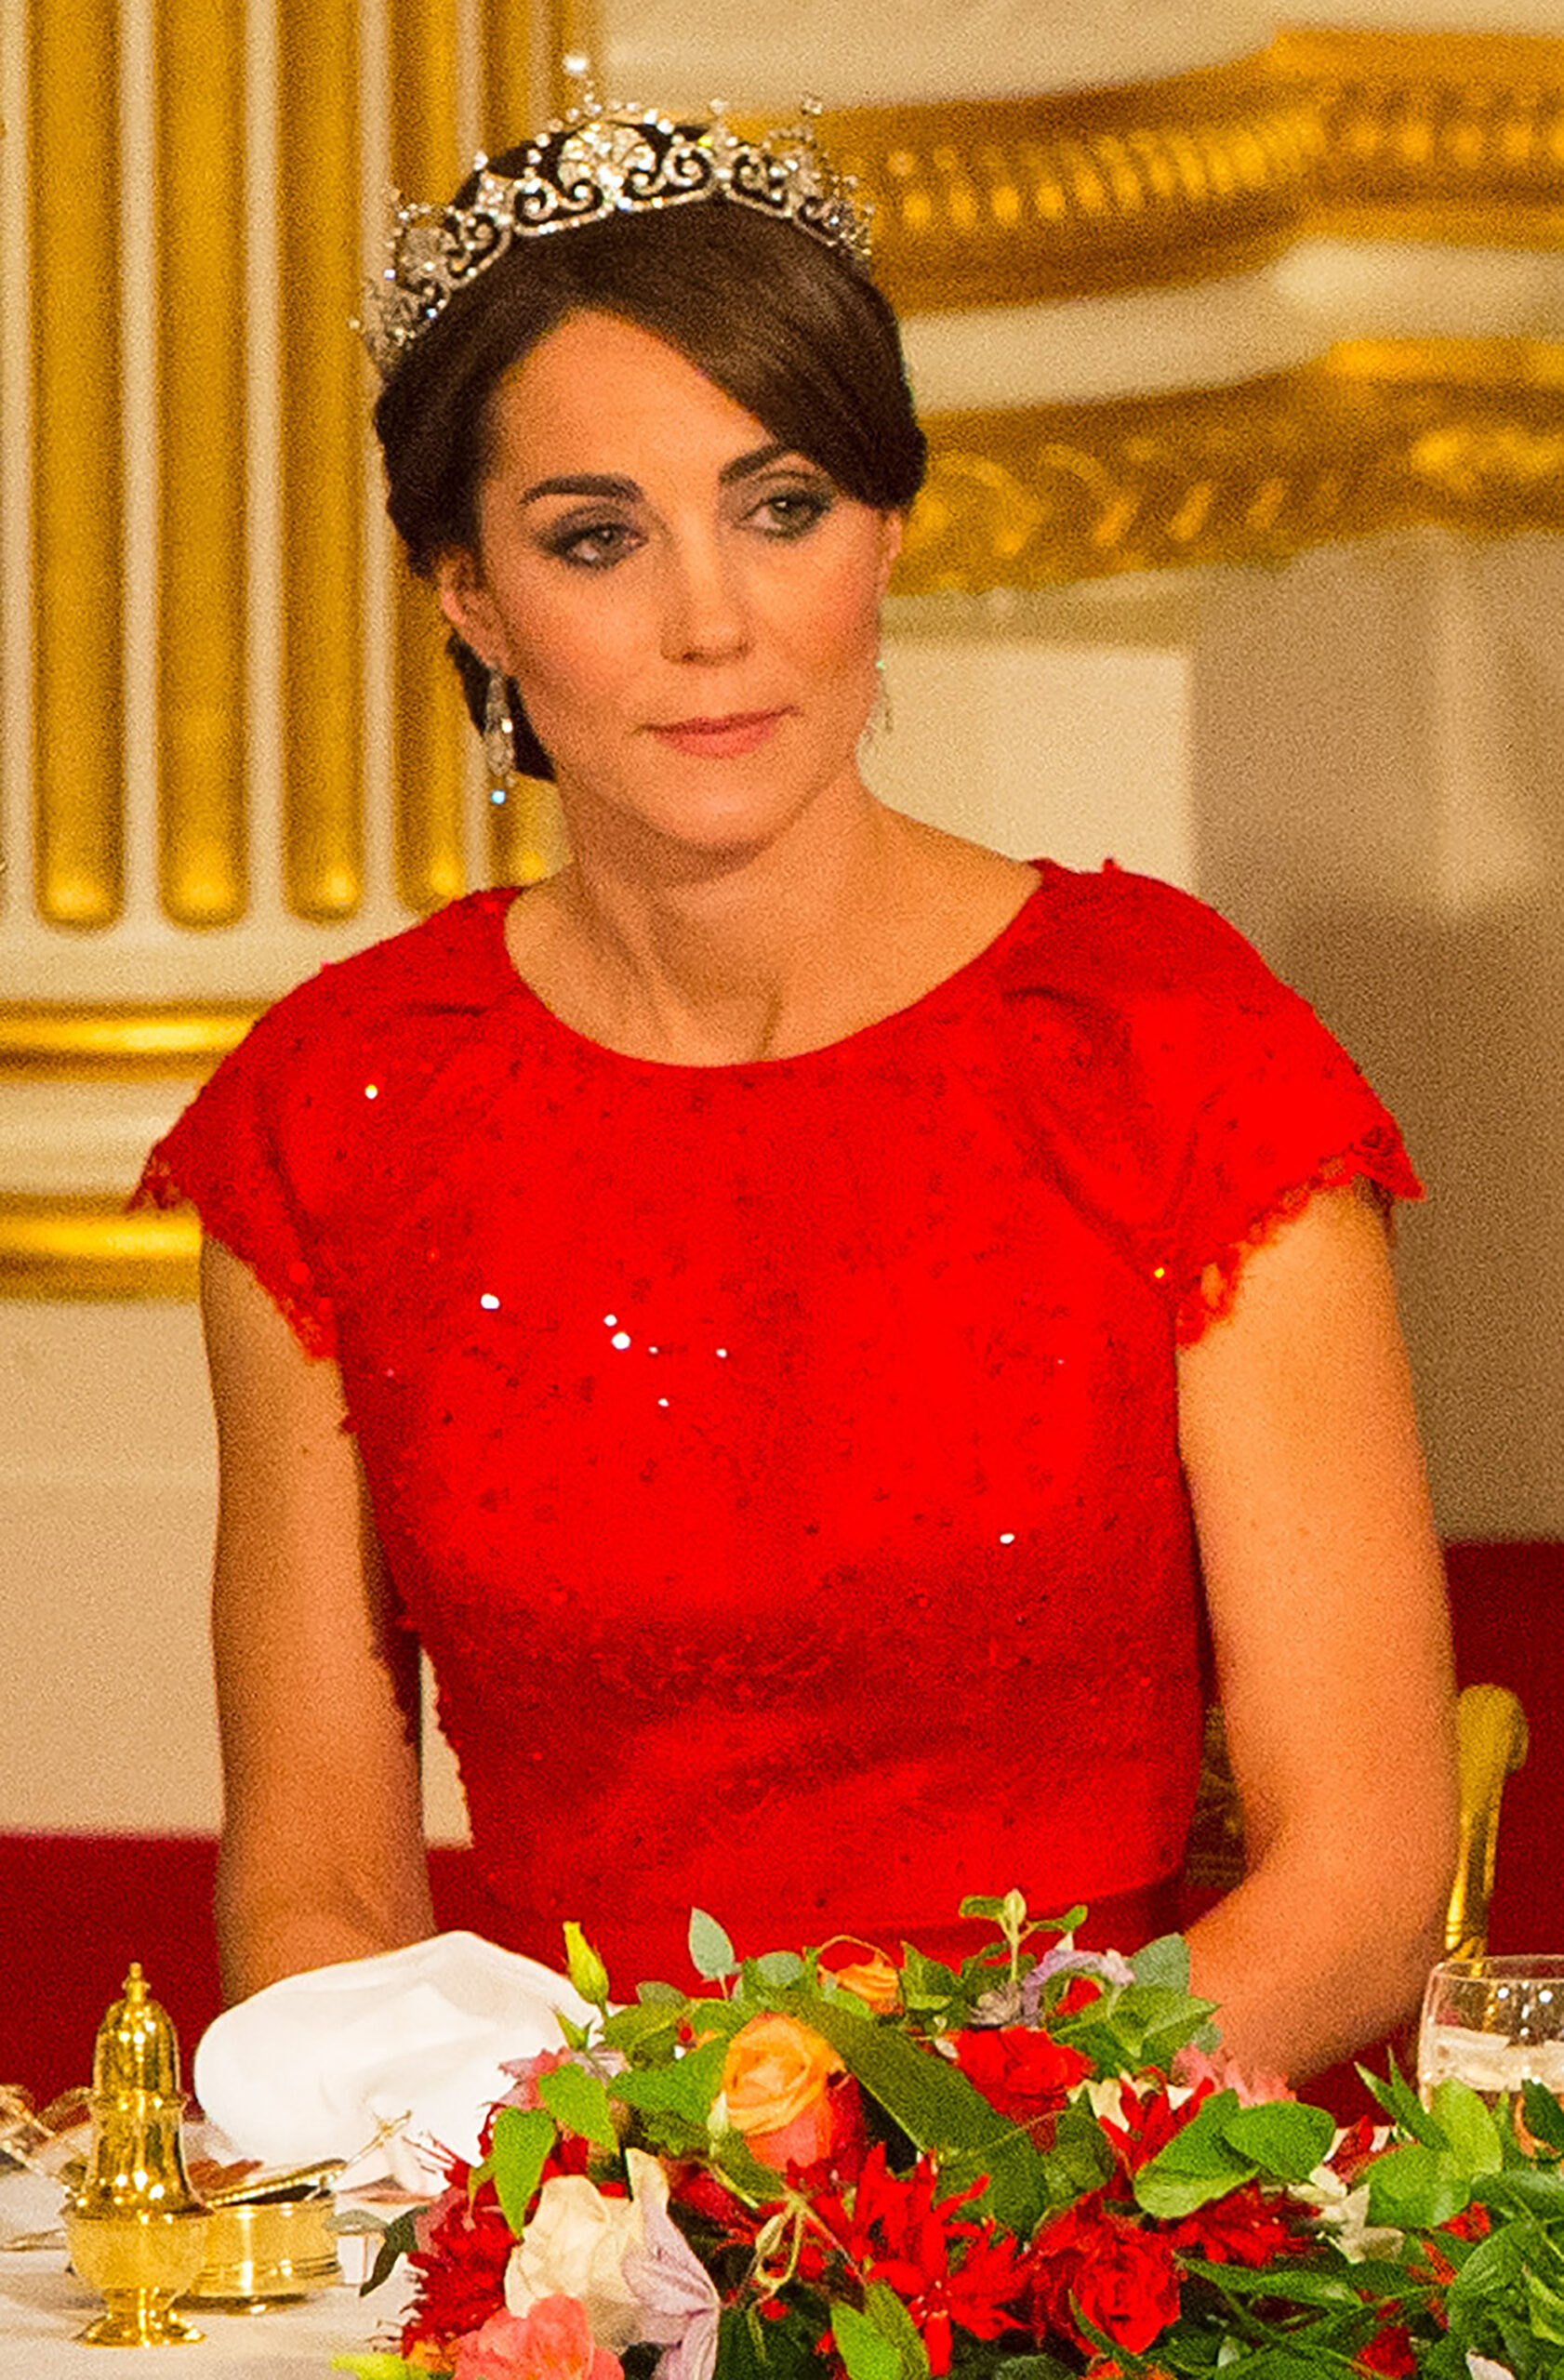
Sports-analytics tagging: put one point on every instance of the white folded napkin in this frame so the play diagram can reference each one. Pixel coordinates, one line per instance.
(314, 2066)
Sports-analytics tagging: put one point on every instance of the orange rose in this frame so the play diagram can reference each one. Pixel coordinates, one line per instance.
(876, 1982)
(775, 2086)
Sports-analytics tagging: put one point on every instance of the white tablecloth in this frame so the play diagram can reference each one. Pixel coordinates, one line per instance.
(42, 2307)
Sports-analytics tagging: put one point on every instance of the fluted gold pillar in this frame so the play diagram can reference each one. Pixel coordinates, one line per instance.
(507, 30)
(78, 480)
(429, 722)
(322, 432)
(201, 712)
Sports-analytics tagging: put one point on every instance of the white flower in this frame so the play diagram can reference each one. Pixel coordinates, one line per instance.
(621, 2256)
(575, 2247)
(1482, 2367)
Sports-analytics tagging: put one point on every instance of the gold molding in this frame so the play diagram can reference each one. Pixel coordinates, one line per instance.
(1442, 136)
(91, 1248)
(1006, 201)
(1429, 137)
(96, 1044)
(1468, 435)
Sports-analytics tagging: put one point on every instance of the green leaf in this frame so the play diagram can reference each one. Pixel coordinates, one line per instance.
(866, 2353)
(1469, 2129)
(1165, 1961)
(1401, 2104)
(1545, 2307)
(399, 2238)
(1544, 2117)
(1032, 2367)
(779, 1967)
(1540, 2189)
(1283, 2138)
(579, 2102)
(893, 2321)
(522, 2138)
(382, 2367)
(711, 1952)
(752, 2349)
(661, 1995)
(687, 2089)
(925, 1983)
(1079, 2159)
(1303, 2284)
(1197, 2164)
(939, 2109)
(1416, 2188)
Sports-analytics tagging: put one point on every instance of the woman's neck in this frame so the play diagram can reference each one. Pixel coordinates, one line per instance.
(789, 951)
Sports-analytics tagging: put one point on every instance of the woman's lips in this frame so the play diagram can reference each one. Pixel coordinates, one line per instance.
(720, 738)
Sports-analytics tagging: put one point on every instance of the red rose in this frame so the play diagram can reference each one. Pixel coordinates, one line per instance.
(1094, 2270)
(1019, 2070)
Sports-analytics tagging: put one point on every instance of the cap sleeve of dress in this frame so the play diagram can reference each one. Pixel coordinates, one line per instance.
(1203, 1101)
(228, 1157)
(282, 1150)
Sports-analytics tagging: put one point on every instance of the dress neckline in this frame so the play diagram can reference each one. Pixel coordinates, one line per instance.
(952, 988)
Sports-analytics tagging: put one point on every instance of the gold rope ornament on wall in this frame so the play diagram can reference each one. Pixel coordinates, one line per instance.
(274, 760)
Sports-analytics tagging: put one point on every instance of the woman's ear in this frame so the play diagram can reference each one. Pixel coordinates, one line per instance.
(467, 603)
(893, 527)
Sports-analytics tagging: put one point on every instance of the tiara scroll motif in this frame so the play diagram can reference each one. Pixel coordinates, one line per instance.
(590, 164)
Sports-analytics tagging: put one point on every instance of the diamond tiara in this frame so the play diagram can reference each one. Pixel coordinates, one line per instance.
(591, 164)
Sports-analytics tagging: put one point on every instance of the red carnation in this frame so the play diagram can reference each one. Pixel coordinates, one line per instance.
(463, 2249)
(1094, 2271)
(1019, 2070)
(1146, 2124)
(1245, 2227)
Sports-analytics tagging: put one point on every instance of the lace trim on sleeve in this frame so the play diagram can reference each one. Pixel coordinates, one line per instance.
(1377, 1160)
(288, 1284)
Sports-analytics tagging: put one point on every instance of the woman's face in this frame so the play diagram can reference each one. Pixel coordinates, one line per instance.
(689, 610)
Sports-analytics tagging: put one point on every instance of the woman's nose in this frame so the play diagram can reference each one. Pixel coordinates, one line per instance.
(705, 617)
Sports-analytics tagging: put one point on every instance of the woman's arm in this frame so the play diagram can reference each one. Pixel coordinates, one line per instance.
(1326, 1596)
(322, 1854)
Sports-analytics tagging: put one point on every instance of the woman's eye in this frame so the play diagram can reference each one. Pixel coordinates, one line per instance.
(593, 545)
(791, 512)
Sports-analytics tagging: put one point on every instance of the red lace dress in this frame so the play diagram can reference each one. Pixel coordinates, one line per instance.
(779, 1461)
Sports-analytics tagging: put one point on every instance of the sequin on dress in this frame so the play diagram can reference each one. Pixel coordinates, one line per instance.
(779, 1461)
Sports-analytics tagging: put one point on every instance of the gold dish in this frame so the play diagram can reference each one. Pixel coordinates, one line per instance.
(265, 2253)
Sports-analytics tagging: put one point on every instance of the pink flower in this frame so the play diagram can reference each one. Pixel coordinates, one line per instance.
(552, 2342)
(1192, 2067)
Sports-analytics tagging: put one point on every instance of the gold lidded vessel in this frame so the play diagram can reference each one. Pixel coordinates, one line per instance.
(136, 2230)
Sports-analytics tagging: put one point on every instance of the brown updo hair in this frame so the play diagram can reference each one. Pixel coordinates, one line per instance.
(788, 327)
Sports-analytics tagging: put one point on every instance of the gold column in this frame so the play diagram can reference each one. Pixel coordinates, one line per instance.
(78, 685)
(430, 722)
(526, 837)
(201, 448)
(507, 30)
(322, 433)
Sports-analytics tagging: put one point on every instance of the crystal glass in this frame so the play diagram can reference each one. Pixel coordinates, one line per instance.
(1495, 2023)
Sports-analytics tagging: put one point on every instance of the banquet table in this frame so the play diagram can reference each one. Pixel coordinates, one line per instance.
(42, 2306)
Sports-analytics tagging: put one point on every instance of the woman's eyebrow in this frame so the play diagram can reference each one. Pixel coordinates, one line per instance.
(585, 484)
(743, 466)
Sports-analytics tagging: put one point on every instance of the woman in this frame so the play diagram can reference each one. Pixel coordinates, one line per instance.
(791, 1311)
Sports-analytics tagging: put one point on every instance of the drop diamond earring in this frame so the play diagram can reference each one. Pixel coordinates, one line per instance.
(500, 733)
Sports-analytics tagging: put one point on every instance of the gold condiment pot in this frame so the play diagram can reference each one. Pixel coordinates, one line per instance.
(136, 2230)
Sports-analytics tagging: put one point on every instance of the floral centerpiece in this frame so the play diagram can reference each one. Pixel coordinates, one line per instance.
(835, 2165)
